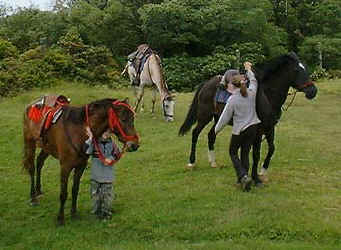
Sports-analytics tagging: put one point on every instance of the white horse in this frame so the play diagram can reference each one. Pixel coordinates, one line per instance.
(152, 76)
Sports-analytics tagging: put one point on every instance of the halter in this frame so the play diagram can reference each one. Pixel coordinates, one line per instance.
(307, 84)
(113, 123)
(164, 110)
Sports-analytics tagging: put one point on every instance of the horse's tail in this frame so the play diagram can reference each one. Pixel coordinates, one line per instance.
(191, 117)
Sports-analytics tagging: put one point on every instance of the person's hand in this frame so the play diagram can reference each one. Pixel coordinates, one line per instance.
(107, 161)
(88, 132)
(247, 66)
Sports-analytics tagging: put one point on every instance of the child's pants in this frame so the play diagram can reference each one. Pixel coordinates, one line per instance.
(102, 197)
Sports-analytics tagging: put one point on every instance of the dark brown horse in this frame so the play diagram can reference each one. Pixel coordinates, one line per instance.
(65, 139)
(275, 77)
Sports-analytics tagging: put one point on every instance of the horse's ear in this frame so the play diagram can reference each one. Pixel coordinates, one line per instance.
(126, 100)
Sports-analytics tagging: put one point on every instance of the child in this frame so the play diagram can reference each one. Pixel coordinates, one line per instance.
(102, 173)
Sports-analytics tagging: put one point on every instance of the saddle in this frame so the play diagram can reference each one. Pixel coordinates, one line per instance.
(138, 59)
(44, 112)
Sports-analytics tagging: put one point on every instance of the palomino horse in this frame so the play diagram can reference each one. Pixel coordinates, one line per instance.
(65, 139)
(275, 78)
(152, 76)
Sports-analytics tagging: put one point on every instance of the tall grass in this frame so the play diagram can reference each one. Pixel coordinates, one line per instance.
(159, 205)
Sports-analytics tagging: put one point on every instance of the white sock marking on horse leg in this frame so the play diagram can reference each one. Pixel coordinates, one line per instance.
(211, 158)
(262, 171)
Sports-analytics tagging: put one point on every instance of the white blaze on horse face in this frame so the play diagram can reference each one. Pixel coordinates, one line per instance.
(168, 106)
(301, 65)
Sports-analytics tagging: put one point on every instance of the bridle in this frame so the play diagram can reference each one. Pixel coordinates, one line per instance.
(164, 109)
(298, 88)
(114, 123)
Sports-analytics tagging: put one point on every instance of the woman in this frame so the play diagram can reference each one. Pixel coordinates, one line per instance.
(241, 107)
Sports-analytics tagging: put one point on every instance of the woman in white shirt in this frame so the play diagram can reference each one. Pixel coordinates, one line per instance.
(241, 107)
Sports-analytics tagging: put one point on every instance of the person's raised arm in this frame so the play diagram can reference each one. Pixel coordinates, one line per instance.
(251, 76)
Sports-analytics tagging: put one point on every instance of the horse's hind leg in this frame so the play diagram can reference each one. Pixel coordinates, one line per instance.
(195, 134)
(139, 96)
(75, 188)
(29, 155)
(40, 163)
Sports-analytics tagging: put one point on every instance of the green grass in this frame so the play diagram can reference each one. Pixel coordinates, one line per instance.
(159, 205)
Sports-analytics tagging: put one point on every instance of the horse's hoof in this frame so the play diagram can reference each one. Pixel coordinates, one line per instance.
(262, 171)
(263, 178)
(39, 194)
(60, 221)
(259, 184)
(74, 216)
(213, 165)
(34, 203)
(246, 183)
(190, 166)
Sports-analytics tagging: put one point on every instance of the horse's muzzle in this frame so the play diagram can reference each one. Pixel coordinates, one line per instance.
(310, 91)
(169, 118)
(132, 146)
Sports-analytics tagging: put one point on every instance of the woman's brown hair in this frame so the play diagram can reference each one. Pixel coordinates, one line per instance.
(239, 82)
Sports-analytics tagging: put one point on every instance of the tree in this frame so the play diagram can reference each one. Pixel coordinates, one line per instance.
(198, 26)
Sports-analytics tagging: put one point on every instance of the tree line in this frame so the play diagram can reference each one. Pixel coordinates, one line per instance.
(89, 40)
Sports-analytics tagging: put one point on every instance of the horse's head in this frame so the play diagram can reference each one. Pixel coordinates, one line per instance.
(168, 104)
(301, 79)
(121, 122)
(116, 115)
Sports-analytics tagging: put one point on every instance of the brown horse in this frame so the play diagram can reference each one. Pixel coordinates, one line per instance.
(65, 139)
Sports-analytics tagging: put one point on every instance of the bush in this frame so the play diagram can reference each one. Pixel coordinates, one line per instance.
(334, 74)
(7, 49)
(183, 73)
(319, 73)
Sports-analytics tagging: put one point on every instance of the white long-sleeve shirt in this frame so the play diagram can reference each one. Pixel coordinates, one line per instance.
(241, 109)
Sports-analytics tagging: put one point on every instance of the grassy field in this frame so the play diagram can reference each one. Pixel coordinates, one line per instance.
(159, 205)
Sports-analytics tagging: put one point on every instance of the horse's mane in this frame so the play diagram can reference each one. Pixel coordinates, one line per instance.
(265, 70)
(76, 115)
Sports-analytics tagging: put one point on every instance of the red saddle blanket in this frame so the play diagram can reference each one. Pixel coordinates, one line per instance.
(46, 111)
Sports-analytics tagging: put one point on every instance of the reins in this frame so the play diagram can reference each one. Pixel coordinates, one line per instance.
(291, 101)
(113, 123)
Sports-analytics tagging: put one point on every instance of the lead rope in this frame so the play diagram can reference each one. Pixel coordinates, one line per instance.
(290, 103)
(97, 147)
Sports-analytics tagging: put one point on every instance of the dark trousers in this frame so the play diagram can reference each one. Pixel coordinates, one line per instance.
(243, 141)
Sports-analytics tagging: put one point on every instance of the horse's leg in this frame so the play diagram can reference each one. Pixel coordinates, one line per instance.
(256, 156)
(195, 134)
(64, 176)
(75, 188)
(40, 163)
(270, 137)
(142, 104)
(136, 89)
(211, 141)
(153, 99)
(29, 155)
(139, 95)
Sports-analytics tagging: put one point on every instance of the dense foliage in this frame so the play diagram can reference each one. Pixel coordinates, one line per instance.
(88, 40)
